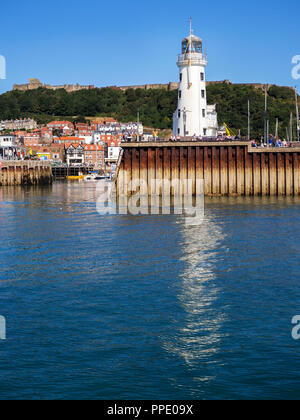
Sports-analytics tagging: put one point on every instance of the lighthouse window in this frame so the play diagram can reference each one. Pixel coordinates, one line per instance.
(181, 77)
(180, 94)
(179, 114)
(203, 113)
(204, 131)
(203, 93)
(202, 76)
(198, 47)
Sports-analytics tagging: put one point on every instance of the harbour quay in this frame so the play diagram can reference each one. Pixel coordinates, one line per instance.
(18, 173)
(227, 168)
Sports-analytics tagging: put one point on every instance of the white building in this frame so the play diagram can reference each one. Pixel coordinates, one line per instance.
(113, 153)
(193, 116)
(8, 149)
(7, 141)
(97, 137)
(87, 139)
(26, 124)
(75, 155)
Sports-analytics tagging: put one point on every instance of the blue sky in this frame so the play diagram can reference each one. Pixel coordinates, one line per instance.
(134, 42)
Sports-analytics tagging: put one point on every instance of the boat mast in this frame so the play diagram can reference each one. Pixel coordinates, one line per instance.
(297, 116)
(138, 124)
(291, 127)
(265, 118)
(276, 130)
(249, 117)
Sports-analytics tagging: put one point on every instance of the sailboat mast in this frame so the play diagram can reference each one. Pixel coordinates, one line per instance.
(291, 127)
(276, 131)
(265, 117)
(297, 116)
(249, 126)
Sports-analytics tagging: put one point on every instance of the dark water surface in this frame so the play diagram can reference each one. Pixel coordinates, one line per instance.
(124, 307)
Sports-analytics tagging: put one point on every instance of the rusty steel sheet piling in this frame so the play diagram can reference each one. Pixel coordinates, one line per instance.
(227, 168)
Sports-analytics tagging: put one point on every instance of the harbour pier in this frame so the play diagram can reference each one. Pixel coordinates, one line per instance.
(25, 173)
(65, 172)
(227, 168)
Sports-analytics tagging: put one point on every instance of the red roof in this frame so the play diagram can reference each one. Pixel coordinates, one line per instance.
(60, 123)
(75, 145)
(93, 147)
(69, 139)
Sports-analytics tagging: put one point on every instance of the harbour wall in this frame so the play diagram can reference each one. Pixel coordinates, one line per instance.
(228, 169)
(25, 173)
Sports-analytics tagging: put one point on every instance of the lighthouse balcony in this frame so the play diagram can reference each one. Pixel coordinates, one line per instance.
(192, 58)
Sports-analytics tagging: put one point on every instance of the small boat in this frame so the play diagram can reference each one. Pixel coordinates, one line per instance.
(109, 178)
(75, 178)
(93, 178)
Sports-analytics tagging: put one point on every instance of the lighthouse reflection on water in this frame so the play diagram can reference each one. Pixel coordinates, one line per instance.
(198, 338)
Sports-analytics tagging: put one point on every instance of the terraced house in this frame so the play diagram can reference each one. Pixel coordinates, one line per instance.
(75, 154)
(94, 155)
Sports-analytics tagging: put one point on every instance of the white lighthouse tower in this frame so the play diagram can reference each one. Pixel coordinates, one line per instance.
(193, 116)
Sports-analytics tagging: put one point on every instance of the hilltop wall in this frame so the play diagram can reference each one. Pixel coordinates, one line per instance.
(36, 84)
(173, 85)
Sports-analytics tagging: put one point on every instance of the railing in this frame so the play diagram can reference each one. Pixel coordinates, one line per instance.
(195, 139)
(206, 140)
(271, 146)
(193, 57)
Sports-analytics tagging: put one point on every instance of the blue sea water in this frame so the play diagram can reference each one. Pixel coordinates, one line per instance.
(123, 307)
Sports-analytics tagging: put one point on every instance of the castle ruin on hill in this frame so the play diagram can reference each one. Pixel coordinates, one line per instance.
(36, 84)
(174, 85)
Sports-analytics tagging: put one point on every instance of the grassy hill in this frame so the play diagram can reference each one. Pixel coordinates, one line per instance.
(156, 106)
(233, 107)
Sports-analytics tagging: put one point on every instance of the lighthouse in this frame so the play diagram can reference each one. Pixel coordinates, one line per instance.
(193, 116)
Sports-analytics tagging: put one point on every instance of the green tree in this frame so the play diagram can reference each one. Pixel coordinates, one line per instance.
(156, 106)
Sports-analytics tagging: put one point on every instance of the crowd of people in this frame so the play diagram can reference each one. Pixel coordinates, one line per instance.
(204, 138)
(272, 142)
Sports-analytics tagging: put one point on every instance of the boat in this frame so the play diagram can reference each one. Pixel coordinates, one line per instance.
(109, 178)
(75, 178)
(93, 178)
